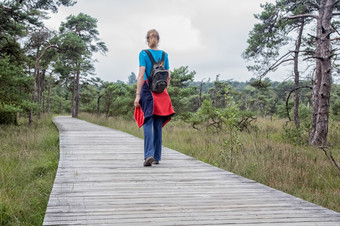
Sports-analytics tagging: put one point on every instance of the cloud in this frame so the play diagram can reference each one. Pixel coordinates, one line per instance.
(181, 38)
(207, 35)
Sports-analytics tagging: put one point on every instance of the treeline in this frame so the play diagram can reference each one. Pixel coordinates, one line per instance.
(33, 57)
(204, 103)
(47, 71)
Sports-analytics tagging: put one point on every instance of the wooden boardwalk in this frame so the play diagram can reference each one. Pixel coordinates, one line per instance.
(101, 181)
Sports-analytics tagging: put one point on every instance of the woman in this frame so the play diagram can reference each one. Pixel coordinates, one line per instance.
(152, 110)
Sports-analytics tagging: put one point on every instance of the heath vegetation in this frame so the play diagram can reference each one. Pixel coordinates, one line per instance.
(261, 129)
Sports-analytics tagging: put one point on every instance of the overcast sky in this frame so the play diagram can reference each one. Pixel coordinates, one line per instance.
(209, 36)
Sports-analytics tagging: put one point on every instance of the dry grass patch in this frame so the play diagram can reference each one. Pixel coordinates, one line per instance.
(28, 163)
(265, 155)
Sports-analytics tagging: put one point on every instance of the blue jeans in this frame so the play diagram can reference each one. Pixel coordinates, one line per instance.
(153, 137)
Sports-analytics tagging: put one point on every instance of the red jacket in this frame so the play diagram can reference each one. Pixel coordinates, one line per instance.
(153, 104)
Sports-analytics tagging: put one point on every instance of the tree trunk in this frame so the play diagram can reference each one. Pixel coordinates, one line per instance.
(77, 96)
(41, 89)
(297, 76)
(200, 94)
(42, 82)
(30, 117)
(322, 84)
(35, 87)
(108, 105)
(43, 103)
(38, 99)
(98, 104)
(49, 94)
(38, 78)
(73, 94)
(35, 75)
(60, 107)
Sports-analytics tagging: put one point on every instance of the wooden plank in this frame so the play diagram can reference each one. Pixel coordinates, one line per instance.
(101, 180)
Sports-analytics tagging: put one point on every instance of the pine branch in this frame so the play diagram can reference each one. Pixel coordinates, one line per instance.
(336, 2)
(44, 51)
(290, 93)
(302, 16)
(315, 4)
(330, 157)
(277, 63)
(334, 28)
(335, 39)
(6, 8)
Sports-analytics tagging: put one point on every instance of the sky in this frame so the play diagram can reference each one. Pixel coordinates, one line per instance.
(208, 36)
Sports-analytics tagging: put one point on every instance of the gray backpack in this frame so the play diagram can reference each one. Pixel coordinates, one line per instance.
(159, 75)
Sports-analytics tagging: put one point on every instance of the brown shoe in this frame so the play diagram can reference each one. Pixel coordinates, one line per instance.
(155, 162)
(148, 161)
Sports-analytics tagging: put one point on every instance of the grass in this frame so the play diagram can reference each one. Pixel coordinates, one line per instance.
(28, 163)
(29, 160)
(268, 155)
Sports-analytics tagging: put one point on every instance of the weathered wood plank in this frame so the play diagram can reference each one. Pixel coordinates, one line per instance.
(101, 181)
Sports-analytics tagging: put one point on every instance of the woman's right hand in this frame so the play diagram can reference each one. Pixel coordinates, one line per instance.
(140, 81)
(136, 103)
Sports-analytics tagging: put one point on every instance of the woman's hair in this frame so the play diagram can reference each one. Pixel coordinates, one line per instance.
(152, 37)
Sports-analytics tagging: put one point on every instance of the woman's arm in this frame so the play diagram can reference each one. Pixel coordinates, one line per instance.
(140, 80)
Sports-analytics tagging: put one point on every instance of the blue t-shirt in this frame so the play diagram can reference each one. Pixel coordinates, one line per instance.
(145, 61)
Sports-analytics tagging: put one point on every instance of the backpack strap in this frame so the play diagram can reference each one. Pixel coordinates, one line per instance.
(163, 57)
(150, 56)
(153, 60)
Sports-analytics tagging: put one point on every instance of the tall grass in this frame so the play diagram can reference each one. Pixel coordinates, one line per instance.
(28, 163)
(269, 155)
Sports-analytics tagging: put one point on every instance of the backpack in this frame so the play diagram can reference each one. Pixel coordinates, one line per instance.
(159, 75)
